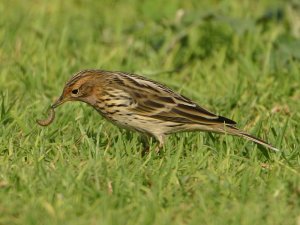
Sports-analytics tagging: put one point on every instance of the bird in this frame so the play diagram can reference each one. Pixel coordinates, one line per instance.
(140, 104)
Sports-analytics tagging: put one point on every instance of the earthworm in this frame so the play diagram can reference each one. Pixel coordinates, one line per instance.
(49, 120)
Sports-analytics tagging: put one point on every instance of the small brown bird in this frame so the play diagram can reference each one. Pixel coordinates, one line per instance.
(143, 105)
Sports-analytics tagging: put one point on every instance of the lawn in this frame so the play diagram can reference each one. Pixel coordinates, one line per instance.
(240, 59)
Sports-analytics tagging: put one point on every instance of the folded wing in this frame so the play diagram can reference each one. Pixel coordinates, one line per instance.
(154, 100)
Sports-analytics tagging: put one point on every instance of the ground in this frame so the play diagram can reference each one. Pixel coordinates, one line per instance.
(239, 59)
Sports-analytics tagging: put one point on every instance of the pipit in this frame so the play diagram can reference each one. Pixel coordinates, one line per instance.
(134, 102)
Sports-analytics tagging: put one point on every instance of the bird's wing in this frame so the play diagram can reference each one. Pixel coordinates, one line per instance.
(157, 101)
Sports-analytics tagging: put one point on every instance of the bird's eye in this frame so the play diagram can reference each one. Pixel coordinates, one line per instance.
(75, 91)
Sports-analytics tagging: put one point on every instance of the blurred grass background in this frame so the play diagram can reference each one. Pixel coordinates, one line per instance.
(240, 59)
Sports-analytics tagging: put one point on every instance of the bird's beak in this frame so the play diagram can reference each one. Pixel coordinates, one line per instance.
(58, 102)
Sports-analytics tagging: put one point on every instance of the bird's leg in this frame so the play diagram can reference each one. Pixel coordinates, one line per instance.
(145, 143)
(160, 145)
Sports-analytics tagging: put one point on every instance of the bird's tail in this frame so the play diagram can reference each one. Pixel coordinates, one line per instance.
(235, 131)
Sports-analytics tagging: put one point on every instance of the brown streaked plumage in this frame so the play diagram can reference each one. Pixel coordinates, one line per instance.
(143, 105)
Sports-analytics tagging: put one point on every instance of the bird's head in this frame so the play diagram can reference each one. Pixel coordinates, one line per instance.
(83, 86)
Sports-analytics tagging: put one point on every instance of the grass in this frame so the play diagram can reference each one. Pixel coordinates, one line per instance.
(240, 59)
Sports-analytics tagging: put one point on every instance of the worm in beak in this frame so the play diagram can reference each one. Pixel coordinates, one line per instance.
(51, 116)
(49, 120)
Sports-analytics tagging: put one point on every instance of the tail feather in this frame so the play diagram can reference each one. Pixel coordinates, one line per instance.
(235, 131)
